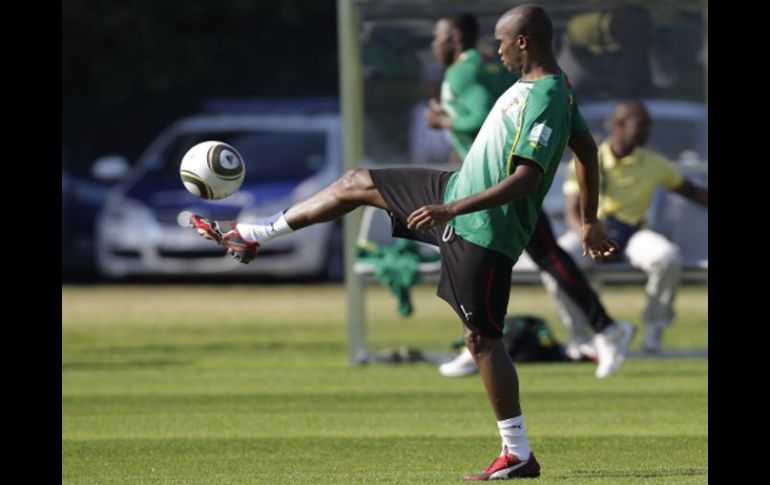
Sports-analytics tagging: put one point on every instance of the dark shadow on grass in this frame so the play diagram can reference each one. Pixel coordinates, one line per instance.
(218, 347)
(111, 366)
(685, 472)
(670, 354)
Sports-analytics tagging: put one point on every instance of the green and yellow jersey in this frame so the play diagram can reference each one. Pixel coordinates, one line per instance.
(532, 120)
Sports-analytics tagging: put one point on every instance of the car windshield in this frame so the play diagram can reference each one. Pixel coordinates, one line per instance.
(269, 155)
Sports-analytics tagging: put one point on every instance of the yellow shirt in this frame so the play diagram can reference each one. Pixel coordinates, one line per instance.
(627, 184)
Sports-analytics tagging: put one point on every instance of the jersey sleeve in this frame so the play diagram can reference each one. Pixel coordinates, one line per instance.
(669, 175)
(579, 124)
(536, 138)
(473, 100)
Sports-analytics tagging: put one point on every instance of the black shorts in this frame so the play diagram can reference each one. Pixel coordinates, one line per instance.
(474, 280)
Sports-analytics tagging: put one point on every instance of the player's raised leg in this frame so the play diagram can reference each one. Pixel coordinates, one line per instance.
(355, 188)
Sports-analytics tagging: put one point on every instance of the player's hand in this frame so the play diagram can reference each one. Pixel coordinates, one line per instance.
(596, 243)
(428, 217)
(436, 117)
(434, 105)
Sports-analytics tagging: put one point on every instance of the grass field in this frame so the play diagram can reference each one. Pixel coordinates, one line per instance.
(250, 384)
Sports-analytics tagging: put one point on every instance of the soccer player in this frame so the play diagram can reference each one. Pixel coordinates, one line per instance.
(468, 91)
(481, 217)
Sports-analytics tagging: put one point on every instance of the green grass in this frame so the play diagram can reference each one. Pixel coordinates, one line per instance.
(250, 384)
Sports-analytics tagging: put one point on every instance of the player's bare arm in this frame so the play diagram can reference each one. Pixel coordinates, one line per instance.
(690, 191)
(521, 182)
(596, 242)
(587, 169)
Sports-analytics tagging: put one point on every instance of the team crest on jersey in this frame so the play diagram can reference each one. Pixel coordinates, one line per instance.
(539, 135)
(517, 102)
(511, 105)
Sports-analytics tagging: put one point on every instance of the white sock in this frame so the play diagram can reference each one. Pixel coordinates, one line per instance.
(514, 437)
(265, 230)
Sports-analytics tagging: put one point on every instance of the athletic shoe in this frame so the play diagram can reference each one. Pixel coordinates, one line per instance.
(225, 234)
(653, 338)
(581, 351)
(611, 347)
(508, 466)
(462, 365)
(211, 230)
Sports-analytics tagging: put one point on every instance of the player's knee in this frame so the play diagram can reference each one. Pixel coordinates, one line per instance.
(671, 257)
(675, 256)
(478, 343)
(472, 341)
(355, 180)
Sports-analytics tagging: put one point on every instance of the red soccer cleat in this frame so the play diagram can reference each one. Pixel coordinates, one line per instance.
(225, 234)
(508, 466)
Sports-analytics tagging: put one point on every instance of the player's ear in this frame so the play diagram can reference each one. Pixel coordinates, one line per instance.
(457, 36)
(608, 124)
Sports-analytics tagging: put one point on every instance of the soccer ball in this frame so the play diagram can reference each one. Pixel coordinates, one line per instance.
(212, 170)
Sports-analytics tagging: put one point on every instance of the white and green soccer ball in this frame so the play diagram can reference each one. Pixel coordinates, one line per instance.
(212, 170)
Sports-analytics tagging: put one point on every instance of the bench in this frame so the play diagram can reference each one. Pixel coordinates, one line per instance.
(678, 219)
(673, 216)
(681, 221)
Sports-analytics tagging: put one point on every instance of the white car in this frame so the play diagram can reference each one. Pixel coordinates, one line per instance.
(289, 156)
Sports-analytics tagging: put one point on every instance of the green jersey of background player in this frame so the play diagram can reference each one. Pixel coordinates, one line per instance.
(471, 84)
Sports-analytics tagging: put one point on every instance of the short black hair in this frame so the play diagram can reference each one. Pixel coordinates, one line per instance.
(538, 24)
(468, 25)
(531, 21)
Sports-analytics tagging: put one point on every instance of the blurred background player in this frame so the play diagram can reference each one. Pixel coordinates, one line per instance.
(470, 87)
(630, 174)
